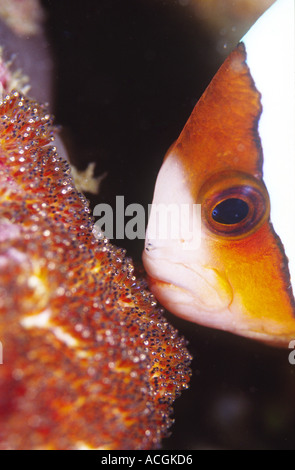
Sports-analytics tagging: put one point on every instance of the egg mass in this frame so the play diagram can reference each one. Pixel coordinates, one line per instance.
(236, 158)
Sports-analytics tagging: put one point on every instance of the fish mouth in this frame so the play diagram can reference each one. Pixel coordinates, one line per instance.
(199, 294)
(211, 308)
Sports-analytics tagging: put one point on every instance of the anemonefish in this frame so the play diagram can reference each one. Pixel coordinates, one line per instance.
(230, 177)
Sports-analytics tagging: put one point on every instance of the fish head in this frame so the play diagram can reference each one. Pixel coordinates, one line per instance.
(219, 244)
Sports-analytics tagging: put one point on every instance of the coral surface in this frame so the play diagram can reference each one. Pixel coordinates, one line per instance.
(24, 17)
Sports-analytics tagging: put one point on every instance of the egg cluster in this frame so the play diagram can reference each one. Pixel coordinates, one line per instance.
(89, 361)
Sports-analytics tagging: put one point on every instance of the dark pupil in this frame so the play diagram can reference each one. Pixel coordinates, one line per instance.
(231, 211)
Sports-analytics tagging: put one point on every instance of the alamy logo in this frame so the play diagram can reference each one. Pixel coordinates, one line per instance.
(166, 222)
(292, 354)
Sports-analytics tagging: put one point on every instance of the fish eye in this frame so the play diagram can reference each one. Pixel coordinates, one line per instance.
(234, 204)
(231, 211)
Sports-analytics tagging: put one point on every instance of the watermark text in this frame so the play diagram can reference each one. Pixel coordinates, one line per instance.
(166, 222)
(292, 354)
